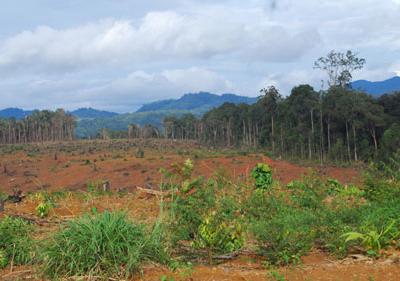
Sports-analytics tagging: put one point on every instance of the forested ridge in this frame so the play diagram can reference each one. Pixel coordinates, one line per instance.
(38, 127)
(339, 123)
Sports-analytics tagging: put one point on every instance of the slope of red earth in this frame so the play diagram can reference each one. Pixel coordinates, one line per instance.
(52, 168)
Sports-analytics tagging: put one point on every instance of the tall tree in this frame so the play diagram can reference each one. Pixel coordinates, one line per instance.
(339, 67)
(270, 100)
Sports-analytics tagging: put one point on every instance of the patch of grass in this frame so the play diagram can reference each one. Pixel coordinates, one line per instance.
(16, 244)
(106, 244)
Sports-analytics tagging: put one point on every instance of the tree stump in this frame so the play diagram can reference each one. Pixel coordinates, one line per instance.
(106, 186)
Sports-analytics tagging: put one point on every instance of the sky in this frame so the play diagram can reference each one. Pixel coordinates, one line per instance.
(119, 54)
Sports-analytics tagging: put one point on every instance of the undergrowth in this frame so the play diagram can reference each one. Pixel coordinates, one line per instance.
(106, 244)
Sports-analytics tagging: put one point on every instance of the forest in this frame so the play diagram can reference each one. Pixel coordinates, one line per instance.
(40, 126)
(336, 124)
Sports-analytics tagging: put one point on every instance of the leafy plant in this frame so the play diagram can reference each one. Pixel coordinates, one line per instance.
(216, 235)
(285, 237)
(371, 240)
(276, 276)
(262, 174)
(43, 209)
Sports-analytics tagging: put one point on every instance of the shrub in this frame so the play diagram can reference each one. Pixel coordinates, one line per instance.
(373, 240)
(287, 236)
(105, 244)
(206, 217)
(15, 241)
(215, 235)
(378, 188)
(262, 175)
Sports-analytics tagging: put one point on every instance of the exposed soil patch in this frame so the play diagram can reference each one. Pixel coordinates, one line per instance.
(77, 164)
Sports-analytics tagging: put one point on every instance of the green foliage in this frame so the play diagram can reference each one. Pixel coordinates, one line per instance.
(262, 174)
(15, 241)
(218, 236)
(106, 244)
(373, 240)
(276, 276)
(382, 181)
(206, 216)
(285, 237)
(43, 209)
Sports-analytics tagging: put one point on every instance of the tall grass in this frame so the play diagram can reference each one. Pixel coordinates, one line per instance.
(16, 244)
(106, 244)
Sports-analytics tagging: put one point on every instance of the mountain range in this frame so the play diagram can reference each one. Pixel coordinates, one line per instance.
(81, 113)
(198, 102)
(154, 113)
(90, 120)
(378, 88)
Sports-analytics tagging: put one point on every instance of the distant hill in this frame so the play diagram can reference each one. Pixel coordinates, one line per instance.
(154, 113)
(90, 127)
(81, 113)
(378, 88)
(196, 102)
(16, 113)
(90, 113)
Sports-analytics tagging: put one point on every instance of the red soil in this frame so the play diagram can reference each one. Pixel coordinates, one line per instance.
(125, 171)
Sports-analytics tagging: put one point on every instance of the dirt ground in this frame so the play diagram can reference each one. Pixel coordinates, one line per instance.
(70, 166)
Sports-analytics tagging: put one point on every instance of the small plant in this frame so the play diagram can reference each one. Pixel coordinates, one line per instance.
(214, 235)
(187, 168)
(372, 241)
(139, 153)
(43, 209)
(262, 174)
(276, 276)
(166, 278)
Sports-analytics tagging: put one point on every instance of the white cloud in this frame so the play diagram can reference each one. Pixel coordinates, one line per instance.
(158, 36)
(72, 57)
(124, 94)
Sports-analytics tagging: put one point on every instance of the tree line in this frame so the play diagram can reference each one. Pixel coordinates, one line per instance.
(40, 126)
(338, 123)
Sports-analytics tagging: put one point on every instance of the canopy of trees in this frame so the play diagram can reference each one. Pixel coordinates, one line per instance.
(38, 127)
(338, 124)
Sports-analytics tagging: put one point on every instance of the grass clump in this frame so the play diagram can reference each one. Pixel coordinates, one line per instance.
(16, 244)
(106, 244)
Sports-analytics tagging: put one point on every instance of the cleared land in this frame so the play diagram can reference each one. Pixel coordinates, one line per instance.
(71, 168)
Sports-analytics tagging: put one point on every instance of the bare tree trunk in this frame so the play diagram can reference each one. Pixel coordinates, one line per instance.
(348, 141)
(355, 143)
(273, 133)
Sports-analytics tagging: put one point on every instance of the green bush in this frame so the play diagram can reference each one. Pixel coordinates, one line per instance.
(106, 244)
(373, 240)
(207, 218)
(15, 242)
(378, 188)
(262, 174)
(215, 235)
(287, 236)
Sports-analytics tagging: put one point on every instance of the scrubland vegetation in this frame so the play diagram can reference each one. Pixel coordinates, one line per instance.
(207, 220)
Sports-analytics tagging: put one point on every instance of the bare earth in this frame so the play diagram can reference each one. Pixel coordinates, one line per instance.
(70, 166)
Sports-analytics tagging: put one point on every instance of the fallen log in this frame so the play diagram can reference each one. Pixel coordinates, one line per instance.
(154, 192)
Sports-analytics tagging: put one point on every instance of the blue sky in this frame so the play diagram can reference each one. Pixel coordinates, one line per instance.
(118, 54)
